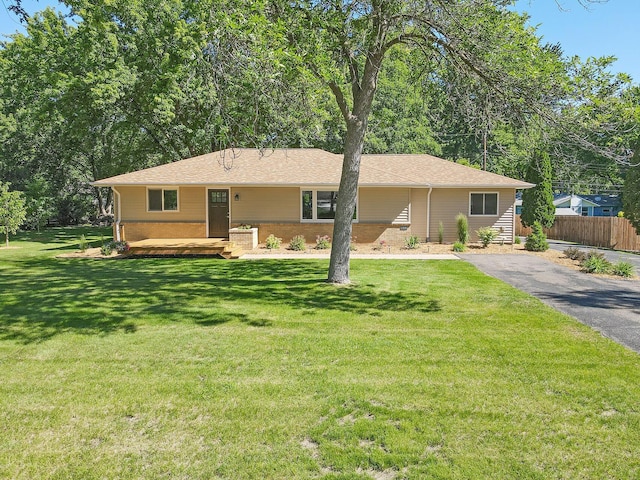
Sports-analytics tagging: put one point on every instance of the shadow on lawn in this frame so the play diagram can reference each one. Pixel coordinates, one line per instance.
(69, 237)
(45, 297)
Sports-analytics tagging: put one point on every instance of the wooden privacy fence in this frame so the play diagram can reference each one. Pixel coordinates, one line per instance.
(608, 232)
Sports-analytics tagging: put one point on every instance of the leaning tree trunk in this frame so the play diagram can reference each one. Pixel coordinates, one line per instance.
(346, 206)
(356, 120)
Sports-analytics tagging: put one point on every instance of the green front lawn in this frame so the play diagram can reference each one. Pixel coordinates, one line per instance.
(205, 368)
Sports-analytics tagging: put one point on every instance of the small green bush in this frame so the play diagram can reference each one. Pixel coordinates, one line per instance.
(458, 247)
(106, 249)
(595, 262)
(83, 244)
(412, 242)
(622, 269)
(463, 228)
(486, 235)
(440, 233)
(575, 254)
(272, 242)
(323, 242)
(298, 243)
(537, 240)
(517, 241)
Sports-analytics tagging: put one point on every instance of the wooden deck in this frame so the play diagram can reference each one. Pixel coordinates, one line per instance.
(160, 247)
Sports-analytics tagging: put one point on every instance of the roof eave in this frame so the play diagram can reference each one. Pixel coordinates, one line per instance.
(517, 186)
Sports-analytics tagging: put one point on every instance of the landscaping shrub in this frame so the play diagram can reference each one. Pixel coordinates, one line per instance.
(463, 228)
(517, 241)
(596, 265)
(106, 249)
(381, 245)
(575, 254)
(323, 242)
(412, 242)
(83, 244)
(298, 243)
(121, 246)
(272, 242)
(595, 262)
(458, 247)
(486, 235)
(622, 269)
(537, 240)
(440, 233)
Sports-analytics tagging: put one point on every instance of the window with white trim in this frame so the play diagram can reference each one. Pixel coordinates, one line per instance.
(320, 205)
(483, 204)
(162, 199)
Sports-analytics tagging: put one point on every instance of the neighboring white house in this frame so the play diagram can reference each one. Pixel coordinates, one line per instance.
(581, 205)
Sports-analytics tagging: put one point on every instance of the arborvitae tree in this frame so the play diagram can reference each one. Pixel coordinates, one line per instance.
(537, 202)
(631, 193)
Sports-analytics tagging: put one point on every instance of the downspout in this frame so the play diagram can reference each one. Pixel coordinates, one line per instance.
(429, 214)
(513, 221)
(118, 214)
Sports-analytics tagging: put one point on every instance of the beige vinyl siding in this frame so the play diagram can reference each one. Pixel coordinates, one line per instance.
(446, 203)
(265, 204)
(384, 205)
(191, 205)
(419, 212)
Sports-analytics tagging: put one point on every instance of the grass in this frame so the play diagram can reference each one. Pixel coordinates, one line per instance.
(204, 368)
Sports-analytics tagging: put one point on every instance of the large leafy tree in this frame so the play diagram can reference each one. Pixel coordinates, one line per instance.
(631, 195)
(345, 46)
(12, 210)
(591, 137)
(134, 84)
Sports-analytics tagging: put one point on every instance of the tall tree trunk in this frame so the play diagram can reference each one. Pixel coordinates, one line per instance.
(346, 205)
(356, 120)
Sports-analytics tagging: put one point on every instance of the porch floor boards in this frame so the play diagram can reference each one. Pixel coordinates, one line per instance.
(185, 247)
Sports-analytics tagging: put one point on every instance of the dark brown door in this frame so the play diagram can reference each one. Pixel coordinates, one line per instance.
(218, 213)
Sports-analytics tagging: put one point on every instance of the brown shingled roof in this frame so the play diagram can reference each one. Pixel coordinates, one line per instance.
(310, 166)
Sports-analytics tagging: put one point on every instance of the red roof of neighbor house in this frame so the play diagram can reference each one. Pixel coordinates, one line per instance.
(308, 167)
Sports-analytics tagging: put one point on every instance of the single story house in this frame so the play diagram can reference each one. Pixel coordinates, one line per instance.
(288, 192)
(582, 205)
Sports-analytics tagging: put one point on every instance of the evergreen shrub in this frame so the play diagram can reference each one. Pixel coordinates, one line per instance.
(536, 240)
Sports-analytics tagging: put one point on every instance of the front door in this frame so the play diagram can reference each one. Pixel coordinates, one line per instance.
(218, 213)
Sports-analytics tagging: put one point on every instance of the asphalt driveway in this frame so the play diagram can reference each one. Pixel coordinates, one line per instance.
(610, 306)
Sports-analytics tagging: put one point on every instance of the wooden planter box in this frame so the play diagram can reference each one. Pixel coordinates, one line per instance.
(245, 238)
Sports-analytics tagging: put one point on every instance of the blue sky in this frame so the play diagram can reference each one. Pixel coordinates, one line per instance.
(601, 29)
(608, 28)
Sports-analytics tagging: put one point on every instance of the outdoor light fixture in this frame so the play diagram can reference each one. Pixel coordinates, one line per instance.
(236, 197)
